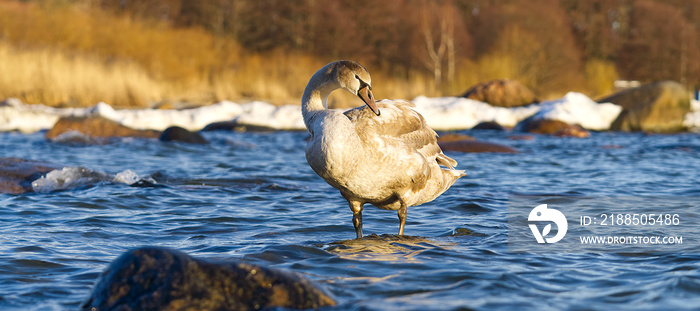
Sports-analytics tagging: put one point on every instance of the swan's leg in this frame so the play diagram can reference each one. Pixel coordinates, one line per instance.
(356, 208)
(402, 217)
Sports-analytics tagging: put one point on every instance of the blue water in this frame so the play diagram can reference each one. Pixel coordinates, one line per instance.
(252, 197)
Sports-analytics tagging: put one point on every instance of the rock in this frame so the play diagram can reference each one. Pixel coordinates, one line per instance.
(552, 127)
(466, 143)
(176, 133)
(96, 127)
(236, 126)
(521, 137)
(164, 105)
(502, 93)
(489, 126)
(572, 130)
(657, 107)
(153, 278)
(17, 175)
(474, 146)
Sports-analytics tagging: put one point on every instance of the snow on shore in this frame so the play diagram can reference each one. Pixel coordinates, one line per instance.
(576, 108)
(441, 113)
(692, 118)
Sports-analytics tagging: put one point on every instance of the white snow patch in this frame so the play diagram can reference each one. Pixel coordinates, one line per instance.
(692, 118)
(441, 113)
(456, 113)
(451, 113)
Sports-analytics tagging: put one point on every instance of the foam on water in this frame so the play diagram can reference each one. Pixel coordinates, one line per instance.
(76, 177)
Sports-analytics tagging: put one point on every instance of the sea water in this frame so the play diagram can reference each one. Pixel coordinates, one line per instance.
(252, 197)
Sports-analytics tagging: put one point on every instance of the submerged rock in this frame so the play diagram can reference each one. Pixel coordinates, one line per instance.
(176, 133)
(552, 127)
(153, 278)
(448, 137)
(17, 175)
(472, 145)
(657, 107)
(521, 137)
(502, 93)
(490, 125)
(96, 127)
(236, 126)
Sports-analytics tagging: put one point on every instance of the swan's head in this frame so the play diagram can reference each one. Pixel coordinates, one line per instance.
(354, 78)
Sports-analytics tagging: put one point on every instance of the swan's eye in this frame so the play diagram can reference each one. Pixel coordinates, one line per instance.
(358, 78)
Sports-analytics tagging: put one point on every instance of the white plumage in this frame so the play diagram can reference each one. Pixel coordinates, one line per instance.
(382, 153)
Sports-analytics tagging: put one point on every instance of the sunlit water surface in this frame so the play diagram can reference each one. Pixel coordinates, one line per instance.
(252, 197)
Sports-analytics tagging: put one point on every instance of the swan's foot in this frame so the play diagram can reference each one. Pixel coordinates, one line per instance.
(402, 217)
(357, 218)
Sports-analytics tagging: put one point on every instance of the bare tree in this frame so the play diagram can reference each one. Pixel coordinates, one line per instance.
(445, 45)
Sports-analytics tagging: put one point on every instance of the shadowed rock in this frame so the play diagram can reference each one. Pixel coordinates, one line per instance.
(176, 133)
(17, 175)
(658, 107)
(502, 93)
(162, 279)
(96, 127)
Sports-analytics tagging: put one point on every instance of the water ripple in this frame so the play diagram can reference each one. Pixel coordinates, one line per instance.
(252, 197)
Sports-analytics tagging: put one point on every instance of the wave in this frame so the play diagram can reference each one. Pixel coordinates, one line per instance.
(78, 177)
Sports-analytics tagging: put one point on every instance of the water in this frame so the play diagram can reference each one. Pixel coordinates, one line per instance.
(252, 197)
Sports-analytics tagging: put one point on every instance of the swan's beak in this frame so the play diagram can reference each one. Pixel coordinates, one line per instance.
(366, 95)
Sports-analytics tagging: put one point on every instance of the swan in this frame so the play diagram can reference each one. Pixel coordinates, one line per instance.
(381, 153)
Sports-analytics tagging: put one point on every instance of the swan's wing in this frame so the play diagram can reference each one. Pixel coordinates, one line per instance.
(398, 127)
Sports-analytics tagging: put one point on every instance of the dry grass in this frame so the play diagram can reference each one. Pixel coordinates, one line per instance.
(45, 76)
(600, 77)
(67, 56)
(71, 55)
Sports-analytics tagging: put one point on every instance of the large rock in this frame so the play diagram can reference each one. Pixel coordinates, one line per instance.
(162, 279)
(17, 175)
(658, 107)
(502, 93)
(96, 127)
(552, 127)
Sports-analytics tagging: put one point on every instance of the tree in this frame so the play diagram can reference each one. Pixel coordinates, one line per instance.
(535, 37)
(661, 44)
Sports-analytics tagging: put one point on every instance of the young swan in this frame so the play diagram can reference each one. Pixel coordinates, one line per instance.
(382, 153)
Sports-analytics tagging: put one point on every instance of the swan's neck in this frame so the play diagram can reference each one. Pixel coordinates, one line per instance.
(315, 96)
